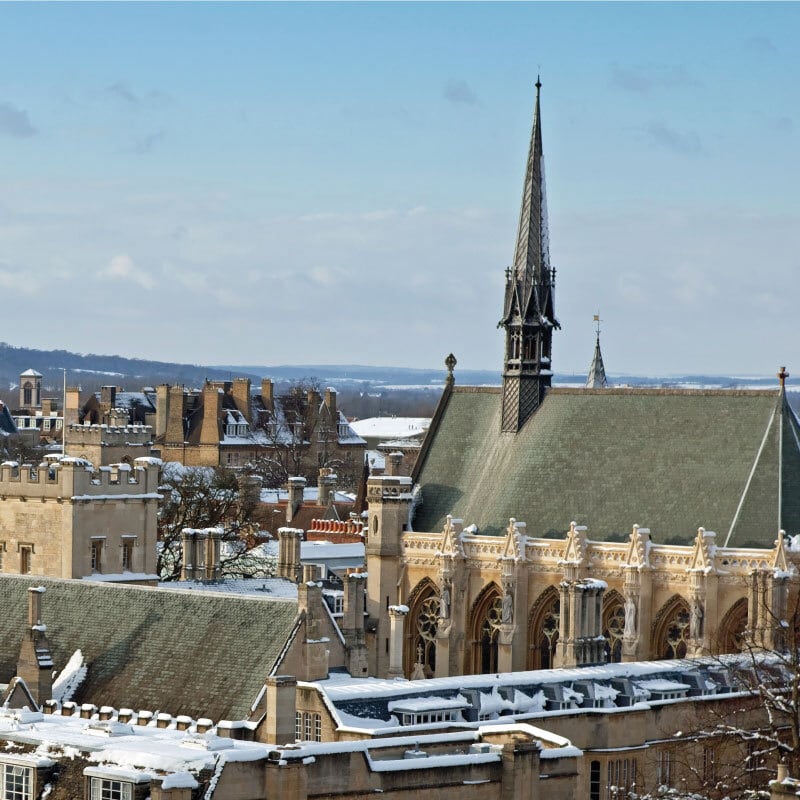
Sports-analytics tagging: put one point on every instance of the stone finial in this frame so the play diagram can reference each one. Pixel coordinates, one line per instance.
(782, 376)
(450, 362)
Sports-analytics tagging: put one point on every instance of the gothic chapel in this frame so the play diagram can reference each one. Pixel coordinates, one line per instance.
(548, 527)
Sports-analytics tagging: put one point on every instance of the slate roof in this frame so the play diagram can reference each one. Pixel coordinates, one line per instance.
(183, 652)
(670, 460)
(7, 425)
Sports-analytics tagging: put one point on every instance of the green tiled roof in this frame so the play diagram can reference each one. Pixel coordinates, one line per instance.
(195, 653)
(670, 460)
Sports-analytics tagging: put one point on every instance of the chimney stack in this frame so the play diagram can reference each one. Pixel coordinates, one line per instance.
(35, 664)
(267, 394)
(289, 565)
(281, 700)
(326, 486)
(296, 488)
(392, 463)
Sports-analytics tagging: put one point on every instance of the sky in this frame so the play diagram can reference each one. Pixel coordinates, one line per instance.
(339, 183)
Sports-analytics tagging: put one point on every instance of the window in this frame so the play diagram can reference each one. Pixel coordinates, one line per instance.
(621, 777)
(16, 783)
(97, 555)
(127, 554)
(752, 763)
(25, 559)
(104, 789)
(664, 768)
(317, 728)
(709, 768)
(307, 727)
(298, 726)
(594, 781)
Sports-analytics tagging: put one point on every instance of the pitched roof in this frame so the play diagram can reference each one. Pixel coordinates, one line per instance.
(673, 460)
(7, 424)
(149, 648)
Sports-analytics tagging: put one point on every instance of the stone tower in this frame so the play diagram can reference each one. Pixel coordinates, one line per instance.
(389, 499)
(528, 315)
(30, 390)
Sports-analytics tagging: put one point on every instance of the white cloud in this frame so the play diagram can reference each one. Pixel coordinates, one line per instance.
(17, 282)
(122, 267)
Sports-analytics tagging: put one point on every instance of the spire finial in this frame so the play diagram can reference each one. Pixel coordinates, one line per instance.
(782, 376)
(450, 362)
(538, 83)
(597, 321)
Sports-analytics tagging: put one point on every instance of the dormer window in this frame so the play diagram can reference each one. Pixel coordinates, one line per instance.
(17, 782)
(109, 789)
(109, 783)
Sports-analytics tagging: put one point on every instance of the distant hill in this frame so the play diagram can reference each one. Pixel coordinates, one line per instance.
(91, 370)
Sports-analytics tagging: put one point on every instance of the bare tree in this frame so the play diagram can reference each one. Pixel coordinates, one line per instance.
(731, 749)
(299, 440)
(210, 497)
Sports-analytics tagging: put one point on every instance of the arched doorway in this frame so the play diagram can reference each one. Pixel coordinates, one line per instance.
(543, 629)
(485, 620)
(613, 625)
(671, 629)
(420, 632)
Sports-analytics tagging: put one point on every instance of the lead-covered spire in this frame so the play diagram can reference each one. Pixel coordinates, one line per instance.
(528, 313)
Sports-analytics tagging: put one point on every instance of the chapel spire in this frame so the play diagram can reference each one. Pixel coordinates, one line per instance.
(528, 314)
(597, 370)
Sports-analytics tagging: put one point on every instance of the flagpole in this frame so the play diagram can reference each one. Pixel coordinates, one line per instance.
(64, 416)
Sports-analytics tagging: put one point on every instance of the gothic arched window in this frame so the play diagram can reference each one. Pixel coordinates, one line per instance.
(672, 629)
(487, 616)
(543, 630)
(420, 630)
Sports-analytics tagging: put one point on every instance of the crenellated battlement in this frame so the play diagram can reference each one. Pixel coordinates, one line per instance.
(68, 478)
(110, 435)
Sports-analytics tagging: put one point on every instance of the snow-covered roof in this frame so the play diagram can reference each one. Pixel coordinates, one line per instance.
(30, 373)
(126, 751)
(264, 588)
(391, 427)
(328, 551)
(368, 703)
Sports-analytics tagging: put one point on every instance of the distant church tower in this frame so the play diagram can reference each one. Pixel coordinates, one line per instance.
(528, 315)
(30, 390)
(597, 370)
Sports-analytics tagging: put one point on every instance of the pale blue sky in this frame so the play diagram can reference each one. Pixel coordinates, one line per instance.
(340, 183)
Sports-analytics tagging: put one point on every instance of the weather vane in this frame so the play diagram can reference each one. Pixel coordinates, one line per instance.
(596, 319)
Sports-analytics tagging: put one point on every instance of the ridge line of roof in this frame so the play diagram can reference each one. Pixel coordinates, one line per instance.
(33, 579)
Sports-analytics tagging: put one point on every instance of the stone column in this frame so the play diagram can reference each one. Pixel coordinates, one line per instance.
(397, 616)
(505, 636)
(444, 626)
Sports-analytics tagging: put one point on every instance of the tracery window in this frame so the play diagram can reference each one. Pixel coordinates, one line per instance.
(613, 631)
(544, 630)
(425, 640)
(672, 629)
(488, 636)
